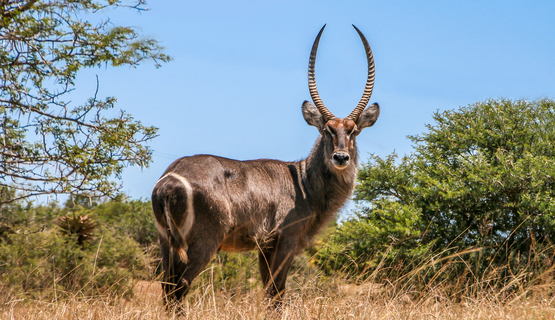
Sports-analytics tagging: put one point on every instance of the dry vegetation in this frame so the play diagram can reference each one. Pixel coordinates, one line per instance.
(310, 296)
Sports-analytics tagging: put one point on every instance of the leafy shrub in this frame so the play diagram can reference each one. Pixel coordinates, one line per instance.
(473, 201)
(360, 244)
(50, 264)
(52, 251)
(132, 218)
(231, 272)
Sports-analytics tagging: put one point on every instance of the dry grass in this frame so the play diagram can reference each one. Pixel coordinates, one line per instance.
(332, 299)
(309, 296)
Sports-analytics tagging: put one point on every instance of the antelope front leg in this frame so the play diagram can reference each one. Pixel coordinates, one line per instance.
(274, 266)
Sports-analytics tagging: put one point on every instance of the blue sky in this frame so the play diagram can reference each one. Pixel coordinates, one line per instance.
(239, 74)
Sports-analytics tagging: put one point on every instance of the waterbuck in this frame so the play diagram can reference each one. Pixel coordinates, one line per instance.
(205, 203)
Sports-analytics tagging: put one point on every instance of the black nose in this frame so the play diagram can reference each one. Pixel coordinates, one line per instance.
(340, 157)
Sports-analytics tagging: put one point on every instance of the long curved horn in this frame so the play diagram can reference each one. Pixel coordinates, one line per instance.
(312, 81)
(369, 82)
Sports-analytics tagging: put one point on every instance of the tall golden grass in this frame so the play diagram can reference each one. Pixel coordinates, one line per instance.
(310, 295)
(341, 302)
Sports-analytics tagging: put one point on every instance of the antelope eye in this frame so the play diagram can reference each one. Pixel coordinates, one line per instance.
(330, 131)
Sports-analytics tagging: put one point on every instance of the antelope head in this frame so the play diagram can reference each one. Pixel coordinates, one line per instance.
(339, 135)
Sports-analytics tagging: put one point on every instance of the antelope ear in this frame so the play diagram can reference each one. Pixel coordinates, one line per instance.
(368, 116)
(312, 116)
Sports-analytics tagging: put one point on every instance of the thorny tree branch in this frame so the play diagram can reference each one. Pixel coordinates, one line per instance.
(49, 145)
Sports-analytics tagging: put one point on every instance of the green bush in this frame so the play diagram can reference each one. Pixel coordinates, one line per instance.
(475, 198)
(231, 272)
(236, 273)
(132, 218)
(361, 244)
(50, 264)
(41, 255)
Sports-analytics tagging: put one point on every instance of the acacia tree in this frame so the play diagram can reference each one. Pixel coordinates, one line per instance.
(49, 145)
(481, 180)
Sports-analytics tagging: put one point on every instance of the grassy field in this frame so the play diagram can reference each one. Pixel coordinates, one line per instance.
(230, 289)
(307, 298)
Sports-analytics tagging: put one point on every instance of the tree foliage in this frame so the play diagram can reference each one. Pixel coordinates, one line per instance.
(480, 180)
(48, 144)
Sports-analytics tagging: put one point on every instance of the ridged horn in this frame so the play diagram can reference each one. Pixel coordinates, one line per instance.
(369, 81)
(312, 81)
